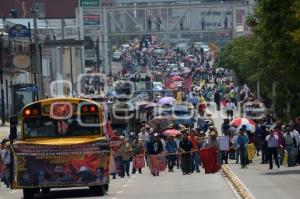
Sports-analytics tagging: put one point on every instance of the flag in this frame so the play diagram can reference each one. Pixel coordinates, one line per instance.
(108, 131)
(168, 83)
(187, 83)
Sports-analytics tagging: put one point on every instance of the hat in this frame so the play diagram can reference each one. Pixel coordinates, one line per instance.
(122, 137)
(155, 134)
(212, 133)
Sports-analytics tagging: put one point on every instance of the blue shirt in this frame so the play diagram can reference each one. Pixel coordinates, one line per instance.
(242, 140)
(171, 146)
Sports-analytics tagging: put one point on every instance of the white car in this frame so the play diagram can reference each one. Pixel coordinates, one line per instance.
(205, 48)
(157, 86)
(117, 56)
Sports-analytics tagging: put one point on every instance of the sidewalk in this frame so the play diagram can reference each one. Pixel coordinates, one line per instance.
(263, 183)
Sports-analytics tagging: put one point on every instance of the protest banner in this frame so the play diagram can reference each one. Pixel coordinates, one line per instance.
(138, 161)
(224, 143)
(157, 163)
(208, 158)
(38, 165)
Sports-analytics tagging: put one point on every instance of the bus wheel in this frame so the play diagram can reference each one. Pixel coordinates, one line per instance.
(99, 190)
(106, 187)
(28, 193)
(45, 190)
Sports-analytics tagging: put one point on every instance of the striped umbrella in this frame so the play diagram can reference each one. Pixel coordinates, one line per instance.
(248, 123)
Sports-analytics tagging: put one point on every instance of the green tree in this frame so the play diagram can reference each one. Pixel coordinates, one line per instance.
(271, 55)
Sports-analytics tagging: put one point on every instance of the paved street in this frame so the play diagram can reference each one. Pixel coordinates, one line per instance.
(280, 183)
(167, 185)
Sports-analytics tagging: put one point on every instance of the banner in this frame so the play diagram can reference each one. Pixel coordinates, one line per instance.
(224, 143)
(84, 164)
(138, 161)
(208, 158)
(157, 163)
(187, 83)
(2, 168)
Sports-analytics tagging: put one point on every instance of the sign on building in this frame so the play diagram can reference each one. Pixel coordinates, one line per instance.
(89, 3)
(19, 30)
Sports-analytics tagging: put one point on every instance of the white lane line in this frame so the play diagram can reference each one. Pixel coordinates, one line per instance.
(12, 192)
(119, 192)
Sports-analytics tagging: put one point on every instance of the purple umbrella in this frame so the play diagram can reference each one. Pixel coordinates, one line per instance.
(166, 100)
(151, 105)
(185, 71)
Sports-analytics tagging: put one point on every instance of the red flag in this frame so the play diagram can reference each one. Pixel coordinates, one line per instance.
(187, 83)
(168, 83)
(109, 131)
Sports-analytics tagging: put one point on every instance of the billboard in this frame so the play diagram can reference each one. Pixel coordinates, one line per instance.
(46, 8)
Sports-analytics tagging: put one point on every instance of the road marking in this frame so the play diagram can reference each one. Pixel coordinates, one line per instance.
(12, 192)
(119, 192)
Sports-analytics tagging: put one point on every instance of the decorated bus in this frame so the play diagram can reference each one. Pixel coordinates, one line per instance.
(61, 145)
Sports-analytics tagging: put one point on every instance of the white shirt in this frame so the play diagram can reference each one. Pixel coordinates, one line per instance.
(5, 156)
(144, 137)
(230, 106)
(297, 136)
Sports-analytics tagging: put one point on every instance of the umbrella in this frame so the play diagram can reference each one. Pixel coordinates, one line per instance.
(186, 71)
(151, 105)
(176, 78)
(160, 122)
(166, 100)
(171, 132)
(239, 122)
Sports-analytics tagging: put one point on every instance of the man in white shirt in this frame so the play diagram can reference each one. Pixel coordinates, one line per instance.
(229, 109)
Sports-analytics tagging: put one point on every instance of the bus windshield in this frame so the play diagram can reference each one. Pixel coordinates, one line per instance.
(39, 127)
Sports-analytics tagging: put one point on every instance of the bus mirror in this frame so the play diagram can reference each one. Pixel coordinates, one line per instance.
(13, 128)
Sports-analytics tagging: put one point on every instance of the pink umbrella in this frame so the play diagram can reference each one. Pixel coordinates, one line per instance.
(171, 132)
(176, 78)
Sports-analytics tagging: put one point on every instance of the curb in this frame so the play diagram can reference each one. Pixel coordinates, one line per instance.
(241, 189)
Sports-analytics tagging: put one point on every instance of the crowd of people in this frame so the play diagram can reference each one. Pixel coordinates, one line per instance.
(193, 83)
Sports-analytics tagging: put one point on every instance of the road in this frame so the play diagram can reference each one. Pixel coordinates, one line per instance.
(167, 185)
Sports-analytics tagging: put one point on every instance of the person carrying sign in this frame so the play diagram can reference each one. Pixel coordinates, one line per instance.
(138, 156)
(154, 148)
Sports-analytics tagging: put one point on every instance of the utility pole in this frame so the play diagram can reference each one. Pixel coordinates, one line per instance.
(1, 80)
(37, 69)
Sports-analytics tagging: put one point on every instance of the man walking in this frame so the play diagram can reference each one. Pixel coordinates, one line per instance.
(185, 148)
(171, 148)
(273, 141)
(242, 142)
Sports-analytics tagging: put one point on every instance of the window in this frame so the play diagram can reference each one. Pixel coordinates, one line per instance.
(38, 127)
(40, 8)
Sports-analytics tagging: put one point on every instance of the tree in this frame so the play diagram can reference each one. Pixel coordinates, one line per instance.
(271, 55)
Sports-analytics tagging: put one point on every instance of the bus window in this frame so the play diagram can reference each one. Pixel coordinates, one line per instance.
(42, 127)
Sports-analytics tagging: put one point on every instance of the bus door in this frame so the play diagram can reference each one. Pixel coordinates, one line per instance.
(21, 95)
